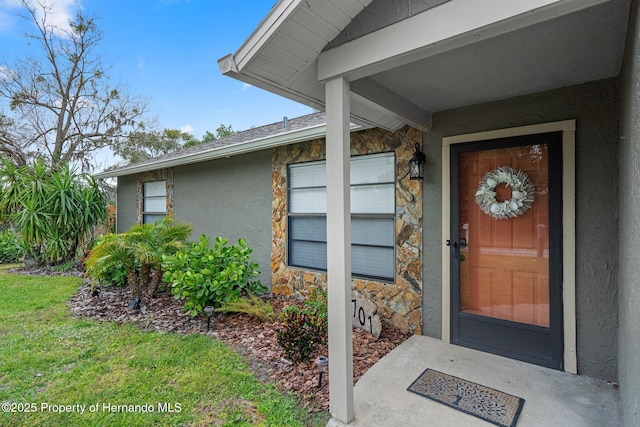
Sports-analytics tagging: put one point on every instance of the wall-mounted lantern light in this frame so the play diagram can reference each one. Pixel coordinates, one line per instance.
(416, 164)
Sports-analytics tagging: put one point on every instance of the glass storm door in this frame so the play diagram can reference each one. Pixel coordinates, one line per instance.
(506, 249)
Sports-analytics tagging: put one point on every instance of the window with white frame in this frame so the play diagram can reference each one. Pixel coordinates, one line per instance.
(154, 201)
(372, 216)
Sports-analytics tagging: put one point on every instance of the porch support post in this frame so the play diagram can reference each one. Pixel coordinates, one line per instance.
(339, 251)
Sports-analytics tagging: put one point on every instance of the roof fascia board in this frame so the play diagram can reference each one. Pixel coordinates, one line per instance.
(446, 27)
(306, 134)
(280, 12)
(318, 104)
(269, 86)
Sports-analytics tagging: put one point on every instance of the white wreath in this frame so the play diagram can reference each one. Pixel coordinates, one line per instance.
(522, 191)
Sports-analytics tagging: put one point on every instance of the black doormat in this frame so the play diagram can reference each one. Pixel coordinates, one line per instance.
(491, 405)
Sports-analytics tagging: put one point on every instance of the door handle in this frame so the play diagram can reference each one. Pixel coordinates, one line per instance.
(462, 244)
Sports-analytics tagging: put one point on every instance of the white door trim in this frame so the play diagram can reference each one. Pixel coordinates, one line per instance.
(568, 129)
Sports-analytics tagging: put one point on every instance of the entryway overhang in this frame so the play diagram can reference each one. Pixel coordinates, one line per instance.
(454, 54)
(459, 53)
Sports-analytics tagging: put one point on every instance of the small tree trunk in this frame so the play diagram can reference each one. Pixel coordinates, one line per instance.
(145, 279)
(133, 282)
(156, 278)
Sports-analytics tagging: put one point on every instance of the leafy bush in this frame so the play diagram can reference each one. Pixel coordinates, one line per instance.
(211, 276)
(106, 272)
(304, 329)
(137, 255)
(10, 249)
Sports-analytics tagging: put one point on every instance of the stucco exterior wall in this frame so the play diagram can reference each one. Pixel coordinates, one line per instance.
(594, 107)
(126, 203)
(230, 198)
(629, 226)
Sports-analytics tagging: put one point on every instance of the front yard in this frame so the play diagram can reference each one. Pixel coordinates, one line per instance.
(59, 370)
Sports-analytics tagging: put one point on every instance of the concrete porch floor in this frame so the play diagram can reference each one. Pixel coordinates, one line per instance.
(552, 398)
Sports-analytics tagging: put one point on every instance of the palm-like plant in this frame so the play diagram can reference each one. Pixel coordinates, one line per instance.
(138, 250)
(54, 211)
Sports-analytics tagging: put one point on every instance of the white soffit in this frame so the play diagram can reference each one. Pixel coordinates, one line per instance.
(283, 50)
(393, 78)
(449, 26)
(281, 56)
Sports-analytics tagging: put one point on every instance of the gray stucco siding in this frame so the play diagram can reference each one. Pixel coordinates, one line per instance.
(230, 198)
(594, 105)
(629, 227)
(126, 203)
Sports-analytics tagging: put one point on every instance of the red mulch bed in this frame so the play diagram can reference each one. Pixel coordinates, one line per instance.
(256, 340)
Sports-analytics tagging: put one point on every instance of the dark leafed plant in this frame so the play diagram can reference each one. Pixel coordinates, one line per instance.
(304, 329)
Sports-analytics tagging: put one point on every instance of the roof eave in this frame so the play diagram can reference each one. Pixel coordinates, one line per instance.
(265, 30)
(306, 134)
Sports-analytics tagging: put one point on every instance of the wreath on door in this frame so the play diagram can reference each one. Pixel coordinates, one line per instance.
(522, 191)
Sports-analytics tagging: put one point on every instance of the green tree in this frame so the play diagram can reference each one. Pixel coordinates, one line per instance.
(141, 146)
(221, 132)
(53, 211)
(60, 105)
(146, 145)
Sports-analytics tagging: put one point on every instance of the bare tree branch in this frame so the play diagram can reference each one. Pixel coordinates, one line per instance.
(61, 104)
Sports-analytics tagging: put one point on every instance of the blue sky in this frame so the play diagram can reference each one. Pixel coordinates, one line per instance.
(167, 51)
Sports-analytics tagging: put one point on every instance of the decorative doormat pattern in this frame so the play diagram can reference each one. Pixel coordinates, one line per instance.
(491, 405)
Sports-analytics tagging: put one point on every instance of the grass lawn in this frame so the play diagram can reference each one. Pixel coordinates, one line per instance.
(117, 374)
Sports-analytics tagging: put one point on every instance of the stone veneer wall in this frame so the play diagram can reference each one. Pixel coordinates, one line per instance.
(155, 175)
(399, 302)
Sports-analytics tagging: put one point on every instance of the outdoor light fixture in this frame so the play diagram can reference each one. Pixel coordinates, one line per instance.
(208, 310)
(416, 164)
(321, 363)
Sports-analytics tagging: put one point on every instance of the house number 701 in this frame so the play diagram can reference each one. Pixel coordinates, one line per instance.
(361, 316)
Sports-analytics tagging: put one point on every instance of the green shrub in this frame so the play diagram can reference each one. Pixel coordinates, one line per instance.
(10, 249)
(137, 255)
(211, 276)
(54, 211)
(304, 329)
(251, 305)
(108, 272)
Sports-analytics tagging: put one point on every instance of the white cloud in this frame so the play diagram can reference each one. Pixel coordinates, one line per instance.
(246, 86)
(8, 15)
(187, 129)
(5, 72)
(60, 13)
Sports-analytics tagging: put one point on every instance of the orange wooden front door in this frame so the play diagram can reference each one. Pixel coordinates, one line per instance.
(506, 269)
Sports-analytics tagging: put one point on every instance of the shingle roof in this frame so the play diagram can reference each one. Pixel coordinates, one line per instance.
(256, 134)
